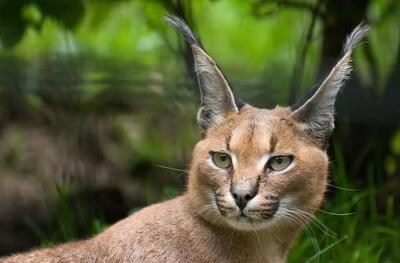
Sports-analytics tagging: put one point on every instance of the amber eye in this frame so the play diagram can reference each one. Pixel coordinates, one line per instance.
(222, 160)
(279, 162)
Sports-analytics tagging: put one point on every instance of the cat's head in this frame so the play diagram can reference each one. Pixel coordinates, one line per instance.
(257, 167)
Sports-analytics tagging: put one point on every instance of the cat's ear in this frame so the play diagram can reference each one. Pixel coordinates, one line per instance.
(217, 98)
(316, 115)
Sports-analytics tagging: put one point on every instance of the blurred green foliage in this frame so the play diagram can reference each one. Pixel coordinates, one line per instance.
(109, 78)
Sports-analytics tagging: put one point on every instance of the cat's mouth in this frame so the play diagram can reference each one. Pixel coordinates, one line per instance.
(249, 217)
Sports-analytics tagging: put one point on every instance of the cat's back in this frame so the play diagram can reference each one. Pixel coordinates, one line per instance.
(165, 232)
(145, 236)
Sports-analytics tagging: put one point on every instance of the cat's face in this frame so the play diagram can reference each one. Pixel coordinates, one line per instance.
(257, 168)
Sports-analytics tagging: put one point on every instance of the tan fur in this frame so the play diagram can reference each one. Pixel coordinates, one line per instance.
(193, 227)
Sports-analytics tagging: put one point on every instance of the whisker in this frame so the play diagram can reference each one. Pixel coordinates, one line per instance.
(313, 219)
(334, 213)
(343, 188)
(259, 242)
(201, 211)
(172, 169)
(308, 230)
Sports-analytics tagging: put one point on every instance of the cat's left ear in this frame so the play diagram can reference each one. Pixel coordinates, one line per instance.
(316, 115)
(217, 99)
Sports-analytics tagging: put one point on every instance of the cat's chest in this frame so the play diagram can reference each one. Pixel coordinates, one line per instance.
(231, 248)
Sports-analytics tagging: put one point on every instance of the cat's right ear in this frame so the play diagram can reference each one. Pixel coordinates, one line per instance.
(217, 98)
(316, 115)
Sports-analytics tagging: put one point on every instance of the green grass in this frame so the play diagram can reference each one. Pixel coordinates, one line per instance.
(70, 223)
(363, 232)
(359, 235)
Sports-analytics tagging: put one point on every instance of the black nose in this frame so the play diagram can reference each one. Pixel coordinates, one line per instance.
(242, 197)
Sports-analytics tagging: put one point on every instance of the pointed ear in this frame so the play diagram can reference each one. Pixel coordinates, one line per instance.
(217, 98)
(316, 114)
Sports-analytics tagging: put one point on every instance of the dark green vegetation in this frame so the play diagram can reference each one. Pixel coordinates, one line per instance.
(97, 105)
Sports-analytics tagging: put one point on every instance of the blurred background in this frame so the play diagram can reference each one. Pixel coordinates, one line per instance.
(98, 104)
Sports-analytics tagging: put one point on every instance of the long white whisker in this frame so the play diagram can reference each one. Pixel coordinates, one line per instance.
(316, 219)
(308, 230)
(172, 168)
(259, 242)
(198, 213)
(343, 188)
(313, 219)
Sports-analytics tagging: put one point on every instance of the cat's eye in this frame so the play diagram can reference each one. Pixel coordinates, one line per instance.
(279, 162)
(222, 160)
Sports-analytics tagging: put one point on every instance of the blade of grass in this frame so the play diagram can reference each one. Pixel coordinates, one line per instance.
(317, 255)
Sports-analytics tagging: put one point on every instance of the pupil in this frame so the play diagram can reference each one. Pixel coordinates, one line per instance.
(279, 160)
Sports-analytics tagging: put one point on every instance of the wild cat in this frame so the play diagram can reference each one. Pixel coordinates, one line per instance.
(256, 178)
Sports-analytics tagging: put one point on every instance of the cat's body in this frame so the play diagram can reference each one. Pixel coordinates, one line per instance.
(257, 177)
(168, 232)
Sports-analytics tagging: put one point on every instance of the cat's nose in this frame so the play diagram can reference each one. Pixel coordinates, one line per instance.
(242, 197)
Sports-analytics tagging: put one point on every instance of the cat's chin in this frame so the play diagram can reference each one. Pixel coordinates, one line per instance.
(248, 223)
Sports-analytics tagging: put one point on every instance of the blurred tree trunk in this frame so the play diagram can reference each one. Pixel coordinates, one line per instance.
(341, 16)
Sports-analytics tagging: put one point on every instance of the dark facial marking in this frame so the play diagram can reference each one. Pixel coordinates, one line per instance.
(251, 128)
(273, 142)
(228, 139)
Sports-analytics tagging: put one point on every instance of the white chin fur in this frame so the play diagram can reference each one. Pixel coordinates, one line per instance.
(248, 224)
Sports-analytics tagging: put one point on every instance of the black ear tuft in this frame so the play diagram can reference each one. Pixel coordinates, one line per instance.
(183, 28)
(355, 38)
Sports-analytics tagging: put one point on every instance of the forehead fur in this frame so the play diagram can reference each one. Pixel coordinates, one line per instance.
(258, 130)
